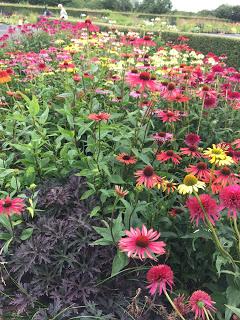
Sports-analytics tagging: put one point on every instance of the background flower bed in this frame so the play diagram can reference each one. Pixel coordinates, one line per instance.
(74, 105)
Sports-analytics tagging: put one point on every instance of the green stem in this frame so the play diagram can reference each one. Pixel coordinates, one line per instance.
(200, 117)
(173, 305)
(11, 225)
(237, 232)
(111, 224)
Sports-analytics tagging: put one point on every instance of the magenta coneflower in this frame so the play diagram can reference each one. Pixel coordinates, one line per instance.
(147, 177)
(142, 80)
(142, 244)
(191, 151)
(201, 302)
(168, 155)
(225, 177)
(10, 206)
(168, 115)
(192, 139)
(200, 170)
(87, 24)
(145, 41)
(196, 212)
(230, 199)
(126, 158)
(159, 277)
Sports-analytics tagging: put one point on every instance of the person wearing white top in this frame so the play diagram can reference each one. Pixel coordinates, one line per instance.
(63, 12)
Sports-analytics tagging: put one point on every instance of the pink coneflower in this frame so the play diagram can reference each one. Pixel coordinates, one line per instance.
(99, 117)
(201, 302)
(142, 244)
(191, 151)
(159, 277)
(192, 139)
(230, 199)
(10, 206)
(126, 158)
(178, 98)
(162, 136)
(169, 90)
(148, 177)
(210, 102)
(200, 170)
(196, 212)
(168, 155)
(142, 80)
(236, 143)
(145, 41)
(168, 115)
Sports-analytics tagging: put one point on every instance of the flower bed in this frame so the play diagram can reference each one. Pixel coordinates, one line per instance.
(119, 170)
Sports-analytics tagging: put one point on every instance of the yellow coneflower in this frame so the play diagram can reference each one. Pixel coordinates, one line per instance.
(190, 184)
(218, 156)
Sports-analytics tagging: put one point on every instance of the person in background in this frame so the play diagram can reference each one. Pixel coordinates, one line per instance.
(47, 12)
(63, 12)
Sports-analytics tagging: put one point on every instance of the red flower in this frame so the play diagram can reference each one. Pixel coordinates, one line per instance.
(159, 277)
(142, 244)
(200, 170)
(4, 76)
(143, 80)
(230, 199)
(145, 41)
(99, 117)
(224, 177)
(10, 206)
(200, 301)
(87, 24)
(126, 159)
(148, 177)
(192, 139)
(168, 115)
(168, 155)
(196, 212)
(191, 151)
(236, 143)
(178, 98)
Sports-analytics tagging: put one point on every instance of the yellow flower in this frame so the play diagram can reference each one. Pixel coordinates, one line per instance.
(190, 184)
(169, 186)
(218, 156)
(59, 41)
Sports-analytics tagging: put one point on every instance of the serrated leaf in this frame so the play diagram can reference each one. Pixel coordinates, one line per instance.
(87, 194)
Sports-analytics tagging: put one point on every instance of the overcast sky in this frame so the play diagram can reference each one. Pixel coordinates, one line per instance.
(197, 5)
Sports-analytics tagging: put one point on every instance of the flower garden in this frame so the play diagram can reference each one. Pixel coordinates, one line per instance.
(119, 173)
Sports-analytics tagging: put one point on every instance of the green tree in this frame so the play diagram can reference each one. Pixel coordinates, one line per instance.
(155, 6)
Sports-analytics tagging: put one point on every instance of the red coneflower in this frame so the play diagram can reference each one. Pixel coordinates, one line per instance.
(225, 177)
(159, 277)
(142, 244)
(191, 151)
(230, 199)
(168, 115)
(147, 177)
(145, 41)
(142, 80)
(201, 302)
(192, 139)
(196, 212)
(10, 206)
(200, 170)
(168, 155)
(178, 98)
(99, 117)
(126, 158)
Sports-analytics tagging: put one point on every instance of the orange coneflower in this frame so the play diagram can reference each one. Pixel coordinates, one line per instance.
(120, 192)
(4, 76)
(126, 158)
(200, 170)
(148, 177)
(168, 155)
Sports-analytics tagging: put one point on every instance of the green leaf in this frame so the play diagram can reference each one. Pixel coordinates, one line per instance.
(95, 211)
(67, 134)
(119, 262)
(234, 310)
(26, 234)
(44, 116)
(6, 245)
(87, 194)
(116, 179)
(5, 236)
